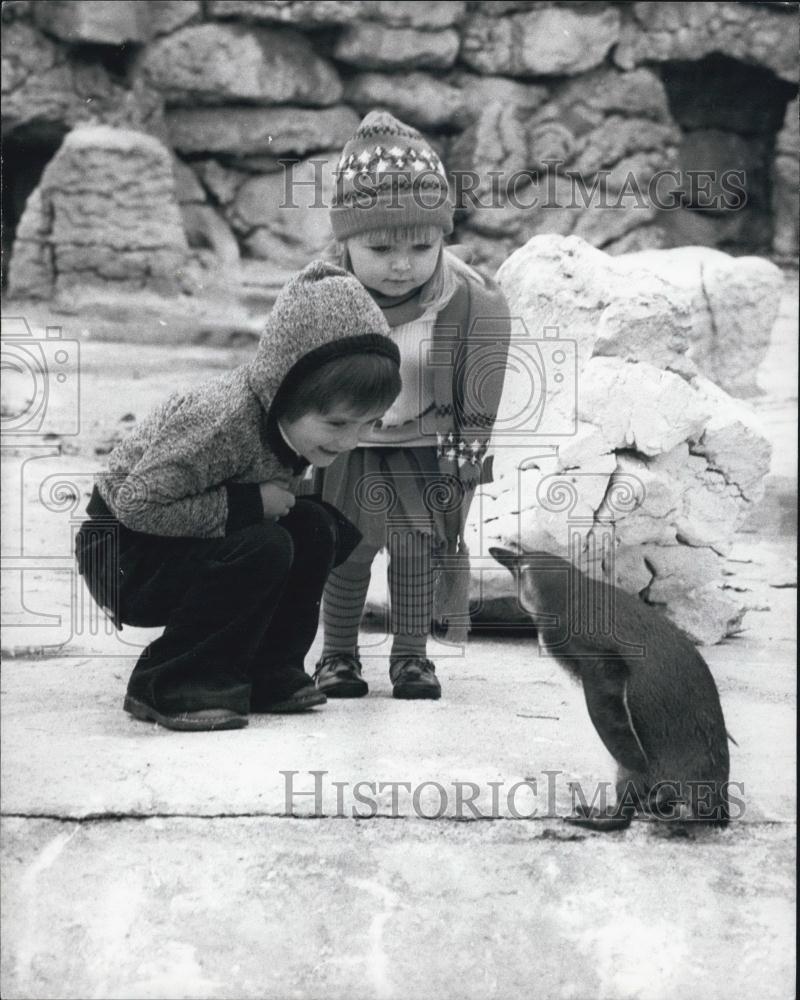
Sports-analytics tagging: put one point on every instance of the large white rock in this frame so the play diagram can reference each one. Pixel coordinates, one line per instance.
(640, 468)
(734, 302)
(662, 306)
(639, 407)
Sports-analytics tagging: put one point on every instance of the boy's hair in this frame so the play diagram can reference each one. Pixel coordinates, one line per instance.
(359, 382)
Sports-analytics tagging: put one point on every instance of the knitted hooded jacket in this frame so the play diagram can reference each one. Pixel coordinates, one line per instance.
(193, 466)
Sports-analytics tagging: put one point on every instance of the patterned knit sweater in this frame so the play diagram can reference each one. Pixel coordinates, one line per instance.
(402, 424)
(468, 357)
(452, 365)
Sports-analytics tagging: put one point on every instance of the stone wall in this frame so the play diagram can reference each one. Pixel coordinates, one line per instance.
(558, 117)
(138, 133)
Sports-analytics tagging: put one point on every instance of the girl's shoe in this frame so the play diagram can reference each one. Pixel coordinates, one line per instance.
(414, 677)
(202, 720)
(338, 675)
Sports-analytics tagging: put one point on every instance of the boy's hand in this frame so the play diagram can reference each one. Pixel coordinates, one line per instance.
(277, 501)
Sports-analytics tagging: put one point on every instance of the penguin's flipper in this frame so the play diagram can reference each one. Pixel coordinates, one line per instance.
(605, 684)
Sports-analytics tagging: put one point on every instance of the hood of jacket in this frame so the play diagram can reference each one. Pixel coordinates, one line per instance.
(322, 313)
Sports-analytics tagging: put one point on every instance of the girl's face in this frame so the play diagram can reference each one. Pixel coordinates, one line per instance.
(396, 266)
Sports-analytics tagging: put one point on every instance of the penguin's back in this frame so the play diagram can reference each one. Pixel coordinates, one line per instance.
(670, 692)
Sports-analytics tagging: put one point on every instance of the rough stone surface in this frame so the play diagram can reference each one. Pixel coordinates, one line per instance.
(525, 102)
(246, 131)
(479, 90)
(495, 149)
(581, 162)
(543, 41)
(786, 183)
(298, 12)
(633, 448)
(402, 14)
(766, 34)
(288, 233)
(105, 212)
(417, 98)
(219, 63)
(166, 16)
(84, 21)
(46, 91)
(188, 189)
(734, 303)
(369, 45)
(222, 182)
(203, 224)
(205, 227)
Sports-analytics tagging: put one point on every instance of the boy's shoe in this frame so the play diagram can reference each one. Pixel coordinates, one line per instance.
(414, 677)
(291, 691)
(203, 719)
(339, 676)
(307, 697)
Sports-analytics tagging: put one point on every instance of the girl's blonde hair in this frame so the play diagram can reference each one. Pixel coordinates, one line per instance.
(440, 287)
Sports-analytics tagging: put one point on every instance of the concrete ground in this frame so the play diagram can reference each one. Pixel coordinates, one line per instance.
(144, 863)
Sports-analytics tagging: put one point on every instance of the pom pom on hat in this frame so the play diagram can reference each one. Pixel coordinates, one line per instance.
(389, 176)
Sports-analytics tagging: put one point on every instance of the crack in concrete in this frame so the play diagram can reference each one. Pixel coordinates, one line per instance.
(112, 817)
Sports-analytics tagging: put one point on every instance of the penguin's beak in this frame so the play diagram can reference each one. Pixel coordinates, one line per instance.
(511, 560)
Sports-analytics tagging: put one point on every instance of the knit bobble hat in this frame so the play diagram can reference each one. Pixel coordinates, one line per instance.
(320, 314)
(388, 176)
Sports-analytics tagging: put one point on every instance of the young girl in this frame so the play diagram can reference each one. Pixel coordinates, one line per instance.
(409, 484)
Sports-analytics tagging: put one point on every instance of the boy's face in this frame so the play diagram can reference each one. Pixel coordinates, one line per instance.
(321, 437)
(395, 268)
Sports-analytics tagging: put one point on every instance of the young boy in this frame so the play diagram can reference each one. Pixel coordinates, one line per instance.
(196, 527)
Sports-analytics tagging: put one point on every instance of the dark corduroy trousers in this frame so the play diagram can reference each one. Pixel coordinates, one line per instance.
(240, 612)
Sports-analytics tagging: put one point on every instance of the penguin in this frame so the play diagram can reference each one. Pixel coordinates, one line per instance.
(650, 694)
